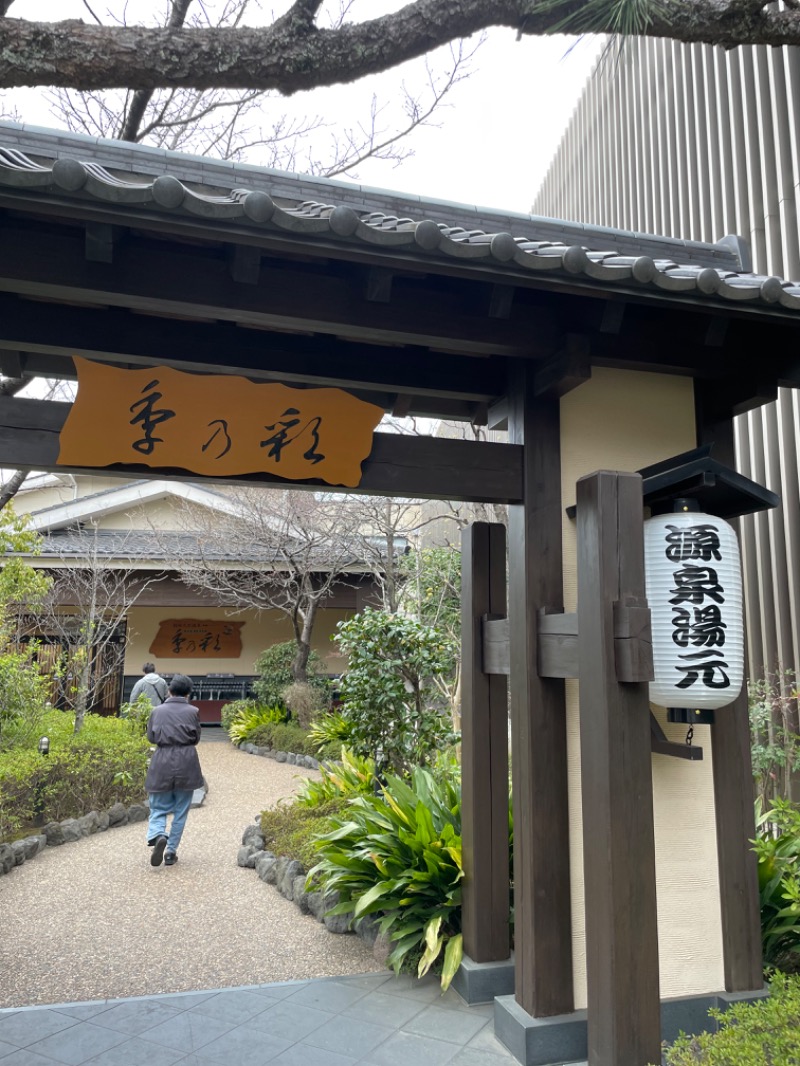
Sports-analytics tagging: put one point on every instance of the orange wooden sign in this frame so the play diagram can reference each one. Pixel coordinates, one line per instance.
(215, 425)
(197, 638)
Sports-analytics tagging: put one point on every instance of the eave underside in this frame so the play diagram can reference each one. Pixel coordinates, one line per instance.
(417, 338)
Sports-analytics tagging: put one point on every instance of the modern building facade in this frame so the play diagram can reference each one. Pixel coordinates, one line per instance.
(696, 142)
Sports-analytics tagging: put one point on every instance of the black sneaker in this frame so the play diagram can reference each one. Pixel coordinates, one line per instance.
(158, 851)
(170, 858)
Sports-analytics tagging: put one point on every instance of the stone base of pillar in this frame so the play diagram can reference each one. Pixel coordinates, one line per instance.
(562, 1039)
(481, 982)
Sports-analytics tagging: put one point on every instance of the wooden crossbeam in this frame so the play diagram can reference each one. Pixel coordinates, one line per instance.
(416, 467)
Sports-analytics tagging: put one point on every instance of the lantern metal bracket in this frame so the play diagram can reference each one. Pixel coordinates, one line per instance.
(660, 745)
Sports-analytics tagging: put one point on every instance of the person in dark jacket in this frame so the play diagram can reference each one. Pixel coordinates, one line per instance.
(174, 772)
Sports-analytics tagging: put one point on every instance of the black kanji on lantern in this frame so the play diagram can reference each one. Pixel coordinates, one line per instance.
(696, 599)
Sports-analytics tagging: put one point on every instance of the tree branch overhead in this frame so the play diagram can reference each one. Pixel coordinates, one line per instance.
(293, 54)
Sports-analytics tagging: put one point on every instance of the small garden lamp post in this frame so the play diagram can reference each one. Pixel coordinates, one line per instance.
(38, 805)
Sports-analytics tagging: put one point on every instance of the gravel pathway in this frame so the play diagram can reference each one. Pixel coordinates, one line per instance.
(93, 919)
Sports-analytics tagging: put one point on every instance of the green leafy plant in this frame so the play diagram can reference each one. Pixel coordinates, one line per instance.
(274, 667)
(250, 717)
(777, 848)
(388, 694)
(764, 1033)
(137, 714)
(331, 728)
(774, 742)
(282, 736)
(398, 856)
(230, 710)
(293, 830)
(353, 775)
(23, 698)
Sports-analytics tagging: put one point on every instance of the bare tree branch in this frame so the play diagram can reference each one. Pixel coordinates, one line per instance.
(286, 551)
(10, 488)
(294, 54)
(88, 8)
(135, 112)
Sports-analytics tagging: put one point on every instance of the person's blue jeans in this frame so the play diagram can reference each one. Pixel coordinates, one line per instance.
(161, 804)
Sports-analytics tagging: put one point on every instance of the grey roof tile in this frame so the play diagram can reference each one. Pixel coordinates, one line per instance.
(186, 185)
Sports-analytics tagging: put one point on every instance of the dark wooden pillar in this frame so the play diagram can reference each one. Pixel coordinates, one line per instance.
(542, 930)
(624, 1026)
(484, 750)
(733, 780)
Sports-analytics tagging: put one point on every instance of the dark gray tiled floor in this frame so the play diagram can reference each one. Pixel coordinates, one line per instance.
(374, 1020)
(370, 1020)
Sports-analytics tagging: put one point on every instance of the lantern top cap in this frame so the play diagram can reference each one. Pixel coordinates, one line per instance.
(695, 479)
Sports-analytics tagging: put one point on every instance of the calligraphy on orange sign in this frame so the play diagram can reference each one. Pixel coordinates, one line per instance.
(215, 425)
(197, 638)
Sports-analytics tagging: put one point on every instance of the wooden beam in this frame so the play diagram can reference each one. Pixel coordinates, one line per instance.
(496, 651)
(12, 363)
(119, 335)
(543, 936)
(484, 751)
(100, 241)
(659, 744)
(501, 301)
(733, 782)
(633, 642)
(613, 316)
(244, 262)
(424, 467)
(557, 646)
(379, 285)
(164, 277)
(567, 369)
(624, 1013)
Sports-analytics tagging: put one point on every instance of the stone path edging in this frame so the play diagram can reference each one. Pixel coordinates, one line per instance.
(288, 875)
(70, 829)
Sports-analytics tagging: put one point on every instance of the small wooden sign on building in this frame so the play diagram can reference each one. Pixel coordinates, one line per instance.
(197, 638)
(216, 425)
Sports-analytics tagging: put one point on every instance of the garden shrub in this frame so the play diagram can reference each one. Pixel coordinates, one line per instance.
(282, 736)
(340, 780)
(331, 729)
(293, 830)
(764, 1033)
(230, 710)
(138, 713)
(274, 667)
(304, 701)
(104, 764)
(250, 717)
(398, 856)
(389, 694)
(777, 848)
(23, 699)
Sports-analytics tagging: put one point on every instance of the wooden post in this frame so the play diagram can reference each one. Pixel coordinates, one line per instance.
(543, 939)
(733, 780)
(624, 1027)
(484, 750)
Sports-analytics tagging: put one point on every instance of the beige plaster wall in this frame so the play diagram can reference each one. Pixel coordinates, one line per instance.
(258, 633)
(624, 420)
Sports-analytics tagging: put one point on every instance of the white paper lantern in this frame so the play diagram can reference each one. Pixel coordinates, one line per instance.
(694, 592)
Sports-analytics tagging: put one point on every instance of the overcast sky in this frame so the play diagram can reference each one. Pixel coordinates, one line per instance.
(493, 143)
